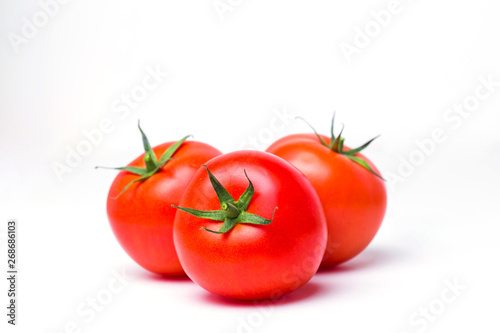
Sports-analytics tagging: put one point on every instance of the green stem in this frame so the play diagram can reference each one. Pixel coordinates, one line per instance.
(338, 143)
(150, 163)
(231, 210)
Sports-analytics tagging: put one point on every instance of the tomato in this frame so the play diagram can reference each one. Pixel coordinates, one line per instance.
(350, 188)
(141, 215)
(231, 243)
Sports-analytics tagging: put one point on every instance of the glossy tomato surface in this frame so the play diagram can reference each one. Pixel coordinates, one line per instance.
(354, 200)
(142, 217)
(252, 262)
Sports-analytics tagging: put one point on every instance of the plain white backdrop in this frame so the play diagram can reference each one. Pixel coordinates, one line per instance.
(234, 74)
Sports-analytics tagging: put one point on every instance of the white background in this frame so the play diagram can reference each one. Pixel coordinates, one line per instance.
(226, 76)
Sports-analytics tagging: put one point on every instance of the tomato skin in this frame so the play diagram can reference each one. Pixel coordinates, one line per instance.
(354, 200)
(142, 217)
(252, 262)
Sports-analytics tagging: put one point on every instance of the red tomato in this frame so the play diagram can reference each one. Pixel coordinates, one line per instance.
(250, 261)
(353, 198)
(142, 217)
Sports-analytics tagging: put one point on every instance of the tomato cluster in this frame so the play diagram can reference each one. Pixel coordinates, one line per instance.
(239, 224)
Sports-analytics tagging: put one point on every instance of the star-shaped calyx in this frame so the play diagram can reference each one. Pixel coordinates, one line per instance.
(153, 165)
(232, 212)
(337, 145)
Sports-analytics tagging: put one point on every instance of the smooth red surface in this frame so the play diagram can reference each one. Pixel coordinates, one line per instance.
(354, 200)
(252, 262)
(142, 217)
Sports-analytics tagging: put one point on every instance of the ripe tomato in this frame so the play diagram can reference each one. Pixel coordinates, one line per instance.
(231, 243)
(141, 216)
(352, 194)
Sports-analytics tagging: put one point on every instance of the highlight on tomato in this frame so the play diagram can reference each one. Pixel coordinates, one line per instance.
(350, 187)
(140, 198)
(250, 226)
